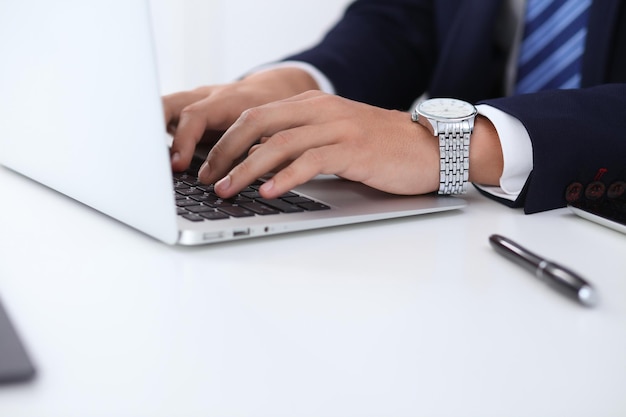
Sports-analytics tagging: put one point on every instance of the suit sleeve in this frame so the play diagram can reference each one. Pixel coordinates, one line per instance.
(381, 52)
(575, 135)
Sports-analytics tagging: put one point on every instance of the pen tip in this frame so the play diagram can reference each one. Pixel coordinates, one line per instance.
(587, 296)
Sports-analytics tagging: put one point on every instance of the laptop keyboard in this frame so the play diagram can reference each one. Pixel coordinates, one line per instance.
(198, 202)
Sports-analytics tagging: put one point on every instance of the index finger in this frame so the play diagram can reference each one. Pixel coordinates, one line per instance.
(191, 126)
(173, 104)
(186, 116)
(248, 129)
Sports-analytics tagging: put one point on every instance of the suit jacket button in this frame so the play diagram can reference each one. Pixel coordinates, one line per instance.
(595, 190)
(616, 190)
(574, 192)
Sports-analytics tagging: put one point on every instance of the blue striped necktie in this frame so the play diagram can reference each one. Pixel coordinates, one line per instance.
(553, 45)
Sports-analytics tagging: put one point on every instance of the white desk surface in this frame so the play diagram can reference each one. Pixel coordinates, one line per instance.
(413, 317)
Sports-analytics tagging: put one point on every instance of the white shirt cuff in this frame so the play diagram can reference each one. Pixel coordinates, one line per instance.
(517, 152)
(322, 80)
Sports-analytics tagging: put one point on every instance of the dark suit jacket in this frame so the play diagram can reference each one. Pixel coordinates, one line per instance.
(388, 52)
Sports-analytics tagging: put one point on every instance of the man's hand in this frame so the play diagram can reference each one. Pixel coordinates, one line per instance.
(316, 133)
(299, 135)
(206, 112)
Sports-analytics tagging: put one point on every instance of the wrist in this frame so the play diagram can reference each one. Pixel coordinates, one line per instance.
(285, 81)
(452, 122)
(486, 160)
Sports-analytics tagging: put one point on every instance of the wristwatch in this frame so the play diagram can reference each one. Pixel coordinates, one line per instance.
(452, 121)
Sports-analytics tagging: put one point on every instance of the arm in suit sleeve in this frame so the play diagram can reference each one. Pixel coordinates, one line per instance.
(574, 134)
(381, 52)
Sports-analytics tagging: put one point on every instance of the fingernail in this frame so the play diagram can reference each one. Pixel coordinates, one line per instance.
(268, 186)
(223, 184)
(175, 157)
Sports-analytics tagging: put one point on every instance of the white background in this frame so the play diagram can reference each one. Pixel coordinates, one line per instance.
(203, 42)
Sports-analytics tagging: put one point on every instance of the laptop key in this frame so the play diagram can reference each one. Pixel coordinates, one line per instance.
(259, 208)
(189, 191)
(313, 206)
(280, 205)
(193, 217)
(199, 209)
(236, 211)
(187, 203)
(205, 198)
(296, 200)
(256, 185)
(250, 194)
(192, 182)
(214, 215)
(205, 188)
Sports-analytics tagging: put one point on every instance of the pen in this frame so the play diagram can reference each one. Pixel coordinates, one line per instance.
(558, 277)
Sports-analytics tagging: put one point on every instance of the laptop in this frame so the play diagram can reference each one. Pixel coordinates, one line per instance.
(80, 112)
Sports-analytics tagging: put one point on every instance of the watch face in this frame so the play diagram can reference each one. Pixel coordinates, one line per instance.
(446, 108)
